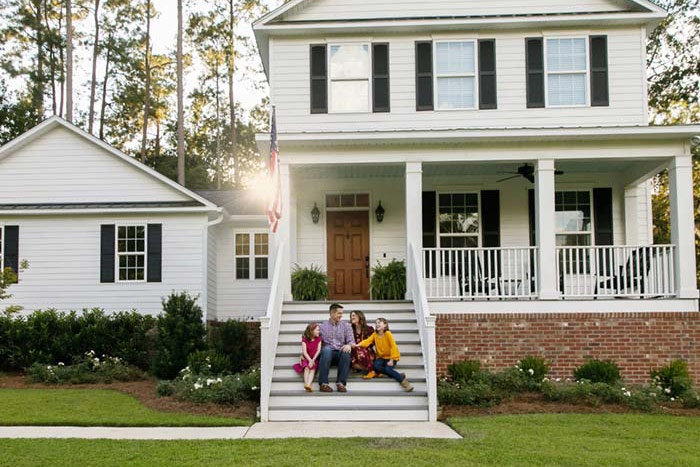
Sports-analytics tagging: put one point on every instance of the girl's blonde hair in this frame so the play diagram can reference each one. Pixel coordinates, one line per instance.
(386, 323)
(309, 331)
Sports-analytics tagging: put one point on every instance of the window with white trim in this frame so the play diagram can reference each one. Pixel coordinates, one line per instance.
(251, 255)
(573, 218)
(349, 78)
(458, 220)
(455, 75)
(131, 253)
(566, 67)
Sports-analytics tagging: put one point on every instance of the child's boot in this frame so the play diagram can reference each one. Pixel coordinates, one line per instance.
(405, 384)
(370, 375)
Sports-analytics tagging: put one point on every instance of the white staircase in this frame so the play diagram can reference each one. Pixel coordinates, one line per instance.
(380, 399)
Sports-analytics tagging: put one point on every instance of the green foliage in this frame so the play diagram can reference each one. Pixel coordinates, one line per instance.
(388, 282)
(180, 333)
(230, 338)
(533, 367)
(473, 393)
(464, 371)
(309, 284)
(673, 379)
(88, 369)
(228, 389)
(598, 371)
(208, 362)
(584, 392)
(690, 399)
(52, 336)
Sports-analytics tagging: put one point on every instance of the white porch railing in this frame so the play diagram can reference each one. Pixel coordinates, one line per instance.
(616, 271)
(461, 273)
(426, 329)
(269, 334)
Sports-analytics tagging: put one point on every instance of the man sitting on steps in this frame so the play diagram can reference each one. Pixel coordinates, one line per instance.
(337, 339)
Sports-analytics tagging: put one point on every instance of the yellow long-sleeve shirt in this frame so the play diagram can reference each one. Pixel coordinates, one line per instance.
(385, 345)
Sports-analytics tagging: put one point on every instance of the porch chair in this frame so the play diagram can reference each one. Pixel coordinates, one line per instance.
(471, 279)
(632, 275)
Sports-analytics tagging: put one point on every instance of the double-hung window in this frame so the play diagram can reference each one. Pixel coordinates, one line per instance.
(573, 218)
(349, 78)
(455, 75)
(567, 71)
(131, 253)
(251, 255)
(458, 219)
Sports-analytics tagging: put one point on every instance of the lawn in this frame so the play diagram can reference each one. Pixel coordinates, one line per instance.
(532, 440)
(98, 407)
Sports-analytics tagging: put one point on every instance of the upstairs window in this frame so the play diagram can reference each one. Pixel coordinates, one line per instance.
(455, 75)
(567, 71)
(349, 78)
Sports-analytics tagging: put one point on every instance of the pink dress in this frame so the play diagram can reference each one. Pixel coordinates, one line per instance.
(311, 349)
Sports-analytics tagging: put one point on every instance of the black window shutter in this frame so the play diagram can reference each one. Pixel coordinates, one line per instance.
(490, 219)
(380, 77)
(11, 251)
(107, 259)
(154, 246)
(429, 232)
(319, 80)
(531, 216)
(603, 216)
(535, 72)
(599, 71)
(487, 74)
(424, 75)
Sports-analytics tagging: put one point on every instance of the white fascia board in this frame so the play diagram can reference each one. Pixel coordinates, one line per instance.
(89, 211)
(55, 121)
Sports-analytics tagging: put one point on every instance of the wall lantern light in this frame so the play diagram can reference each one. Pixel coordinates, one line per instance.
(379, 212)
(315, 214)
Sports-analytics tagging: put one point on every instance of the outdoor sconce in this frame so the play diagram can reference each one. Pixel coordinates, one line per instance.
(315, 214)
(379, 212)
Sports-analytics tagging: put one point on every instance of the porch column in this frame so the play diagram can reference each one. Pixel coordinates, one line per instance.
(284, 231)
(637, 212)
(680, 177)
(414, 218)
(546, 237)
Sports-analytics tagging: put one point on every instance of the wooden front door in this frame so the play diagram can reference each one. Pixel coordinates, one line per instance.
(348, 254)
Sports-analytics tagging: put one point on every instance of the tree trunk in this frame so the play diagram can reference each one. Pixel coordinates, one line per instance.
(38, 84)
(231, 100)
(52, 61)
(180, 99)
(218, 131)
(69, 61)
(93, 81)
(103, 105)
(147, 90)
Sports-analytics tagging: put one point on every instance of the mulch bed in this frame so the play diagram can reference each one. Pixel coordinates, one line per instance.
(145, 392)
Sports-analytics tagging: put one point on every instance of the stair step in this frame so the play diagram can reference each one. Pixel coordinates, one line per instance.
(350, 305)
(300, 392)
(377, 384)
(404, 362)
(298, 352)
(354, 378)
(361, 415)
(345, 401)
(397, 333)
(286, 320)
(401, 340)
(320, 316)
(299, 327)
(414, 372)
(294, 348)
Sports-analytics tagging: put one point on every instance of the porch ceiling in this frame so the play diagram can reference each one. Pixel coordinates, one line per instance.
(349, 171)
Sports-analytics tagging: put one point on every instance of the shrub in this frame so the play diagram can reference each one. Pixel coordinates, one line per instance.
(230, 338)
(309, 284)
(464, 371)
(180, 333)
(89, 369)
(672, 379)
(583, 392)
(388, 282)
(513, 381)
(598, 371)
(208, 362)
(475, 393)
(690, 399)
(535, 368)
(229, 389)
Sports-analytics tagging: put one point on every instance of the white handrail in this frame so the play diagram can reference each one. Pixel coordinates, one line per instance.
(426, 329)
(269, 333)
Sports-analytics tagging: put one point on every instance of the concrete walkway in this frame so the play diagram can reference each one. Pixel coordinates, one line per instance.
(271, 430)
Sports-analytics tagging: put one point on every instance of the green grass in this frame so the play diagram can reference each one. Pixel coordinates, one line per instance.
(527, 440)
(96, 407)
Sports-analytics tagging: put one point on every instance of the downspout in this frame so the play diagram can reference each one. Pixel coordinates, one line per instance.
(205, 269)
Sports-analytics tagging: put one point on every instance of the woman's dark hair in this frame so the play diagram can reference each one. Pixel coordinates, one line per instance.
(309, 332)
(386, 323)
(362, 322)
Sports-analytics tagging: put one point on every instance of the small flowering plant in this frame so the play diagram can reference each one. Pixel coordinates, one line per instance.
(673, 380)
(222, 389)
(86, 369)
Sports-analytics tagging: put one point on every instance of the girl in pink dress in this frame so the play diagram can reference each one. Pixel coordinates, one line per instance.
(310, 350)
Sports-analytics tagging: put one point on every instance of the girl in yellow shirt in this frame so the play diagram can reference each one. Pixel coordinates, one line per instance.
(387, 353)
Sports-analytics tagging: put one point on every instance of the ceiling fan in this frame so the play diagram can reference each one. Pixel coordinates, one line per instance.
(527, 171)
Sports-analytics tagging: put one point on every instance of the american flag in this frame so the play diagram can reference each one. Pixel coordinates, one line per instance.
(274, 207)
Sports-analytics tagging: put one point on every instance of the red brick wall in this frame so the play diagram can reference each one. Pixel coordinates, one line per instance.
(635, 341)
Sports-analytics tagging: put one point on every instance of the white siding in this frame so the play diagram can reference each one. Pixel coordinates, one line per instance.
(64, 263)
(238, 298)
(355, 9)
(63, 167)
(290, 86)
(212, 274)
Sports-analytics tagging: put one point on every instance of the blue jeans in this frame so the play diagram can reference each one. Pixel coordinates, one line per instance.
(380, 366)
(330, 357)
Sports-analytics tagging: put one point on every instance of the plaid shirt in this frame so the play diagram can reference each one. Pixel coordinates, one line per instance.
(336, 335)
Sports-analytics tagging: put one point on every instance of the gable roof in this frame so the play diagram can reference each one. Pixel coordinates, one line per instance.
(57, 122)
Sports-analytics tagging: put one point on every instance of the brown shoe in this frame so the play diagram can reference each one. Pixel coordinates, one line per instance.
(341, 387)
(405, 384)
(325, 388)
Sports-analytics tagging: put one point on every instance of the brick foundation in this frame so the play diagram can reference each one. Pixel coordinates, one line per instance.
(637, 342)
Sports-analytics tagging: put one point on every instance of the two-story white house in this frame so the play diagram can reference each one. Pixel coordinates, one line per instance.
(502, 150)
